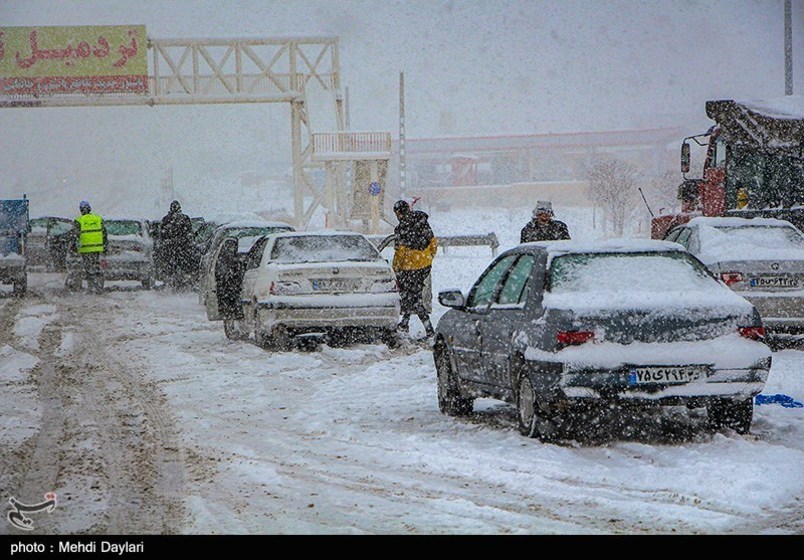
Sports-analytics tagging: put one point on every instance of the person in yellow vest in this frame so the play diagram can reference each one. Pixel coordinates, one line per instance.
(415, 247)
(91, 242)
(742, 197)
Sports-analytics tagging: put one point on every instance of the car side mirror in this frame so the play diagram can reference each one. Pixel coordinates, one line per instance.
(685, 157)
(452, 298)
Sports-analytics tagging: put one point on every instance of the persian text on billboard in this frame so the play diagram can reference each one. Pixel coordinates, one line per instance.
(41, 61)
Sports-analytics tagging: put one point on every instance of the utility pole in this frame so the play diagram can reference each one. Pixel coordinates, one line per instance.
(788, 47)
(402, 181)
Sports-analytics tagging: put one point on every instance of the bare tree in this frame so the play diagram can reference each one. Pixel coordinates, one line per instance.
(613, 186)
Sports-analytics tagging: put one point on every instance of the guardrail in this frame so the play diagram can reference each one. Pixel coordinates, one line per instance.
(488, 239)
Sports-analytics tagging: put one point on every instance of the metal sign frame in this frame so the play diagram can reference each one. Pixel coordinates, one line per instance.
(238, 70)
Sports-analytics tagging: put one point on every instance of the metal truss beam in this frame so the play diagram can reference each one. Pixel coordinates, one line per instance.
(239, 70)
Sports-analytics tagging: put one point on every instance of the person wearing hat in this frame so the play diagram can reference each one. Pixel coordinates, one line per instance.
(542, 226)
(90, 241)
(415, 247)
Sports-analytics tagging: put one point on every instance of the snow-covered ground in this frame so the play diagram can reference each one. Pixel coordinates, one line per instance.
(144, 418)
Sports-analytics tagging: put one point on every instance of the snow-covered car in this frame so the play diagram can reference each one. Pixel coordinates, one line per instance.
(762, 259)
(246, 232)
(328, 283)
(561, 327)
(48, 242)
(129, 255)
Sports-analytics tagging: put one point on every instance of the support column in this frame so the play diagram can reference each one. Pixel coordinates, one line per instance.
(298, 163)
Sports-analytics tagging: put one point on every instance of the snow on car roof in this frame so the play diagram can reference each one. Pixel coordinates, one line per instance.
(318, 233)
(253, 224)
(620, 245)
(623, 245)
(226, 217)
(738, 222)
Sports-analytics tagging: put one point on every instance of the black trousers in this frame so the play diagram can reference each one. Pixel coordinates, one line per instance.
(411, 283)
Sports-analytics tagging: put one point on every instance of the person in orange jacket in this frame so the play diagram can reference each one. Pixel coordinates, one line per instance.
(415, 247)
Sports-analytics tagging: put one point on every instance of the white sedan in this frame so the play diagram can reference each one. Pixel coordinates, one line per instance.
(330, 284)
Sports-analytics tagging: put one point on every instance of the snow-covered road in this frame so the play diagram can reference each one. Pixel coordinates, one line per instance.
(144, 418)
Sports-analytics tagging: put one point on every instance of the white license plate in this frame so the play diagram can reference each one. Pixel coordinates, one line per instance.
(333, 285)
(665, 375)
(774, 282)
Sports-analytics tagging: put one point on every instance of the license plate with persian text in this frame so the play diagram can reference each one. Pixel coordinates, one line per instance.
(665, 374)
(775, 282)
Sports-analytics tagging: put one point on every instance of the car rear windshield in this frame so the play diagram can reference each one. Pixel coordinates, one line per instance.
(323, 248)
(38, 223)
(750, 239)
(634, 272)
(749, 243)
(115, 227)
(60, 228)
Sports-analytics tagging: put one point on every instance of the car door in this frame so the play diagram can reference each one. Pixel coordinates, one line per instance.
(505, 317)
(467, 336)
(209, 288)
(253, 270)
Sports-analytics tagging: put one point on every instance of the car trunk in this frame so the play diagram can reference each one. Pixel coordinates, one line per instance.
(624, 326)
(761, 276)
(337, 278)
(127, 248)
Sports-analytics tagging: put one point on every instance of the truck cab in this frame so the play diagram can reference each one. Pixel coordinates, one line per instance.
(754, 164)
(13, 233)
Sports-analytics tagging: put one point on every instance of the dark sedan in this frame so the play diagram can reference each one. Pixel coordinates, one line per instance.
(561, 327)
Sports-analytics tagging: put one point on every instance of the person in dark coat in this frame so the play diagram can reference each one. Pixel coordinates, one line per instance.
(543, 227)
(229, 271)
(176, 247)
(415, 246)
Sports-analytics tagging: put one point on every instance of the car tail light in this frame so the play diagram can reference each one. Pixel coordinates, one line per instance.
(285, 288)
(730, 278)
(754, 333)
(573, 338)
(384, 285)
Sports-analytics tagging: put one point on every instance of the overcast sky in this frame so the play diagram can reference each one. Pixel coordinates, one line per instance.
(471, 67)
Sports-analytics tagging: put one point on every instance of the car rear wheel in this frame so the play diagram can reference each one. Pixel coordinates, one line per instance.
(450, 401)
(533, 422)
(390, 338)
(280, 338)
(727, 413)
